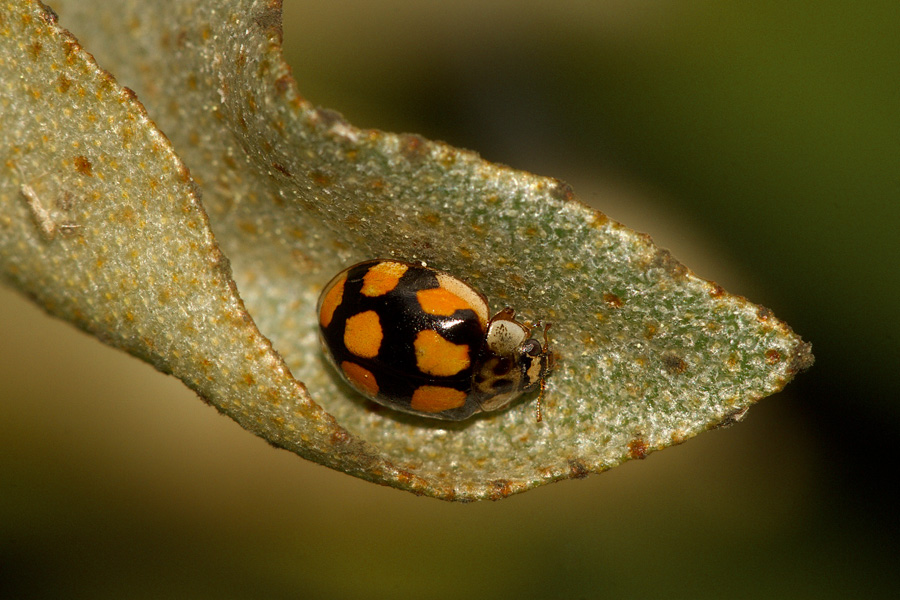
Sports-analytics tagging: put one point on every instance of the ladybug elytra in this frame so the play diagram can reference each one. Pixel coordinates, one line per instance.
(421, 341)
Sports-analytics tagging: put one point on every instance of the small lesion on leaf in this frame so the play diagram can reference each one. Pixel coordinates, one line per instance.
(674, 364)
(562, 191)
(663, 259)
(269, 18)
(500, 488)
(638, 448)
(83, 165)
(613, 300)
(802, 358)
(282, 169)
(35, 50)
(415, 148)
(578, 469)
(735, 416)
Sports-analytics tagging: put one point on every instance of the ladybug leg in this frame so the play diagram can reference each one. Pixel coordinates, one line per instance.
(539, 410)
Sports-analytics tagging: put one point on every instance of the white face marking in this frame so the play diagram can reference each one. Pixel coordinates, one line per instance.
(505, 337)
(533, 374)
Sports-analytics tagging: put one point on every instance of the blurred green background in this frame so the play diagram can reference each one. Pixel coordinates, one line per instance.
(758, 142)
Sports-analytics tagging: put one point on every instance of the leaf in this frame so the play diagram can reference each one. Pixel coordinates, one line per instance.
(102, 224)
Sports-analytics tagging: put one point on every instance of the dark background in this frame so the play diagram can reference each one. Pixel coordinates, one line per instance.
(758, 142)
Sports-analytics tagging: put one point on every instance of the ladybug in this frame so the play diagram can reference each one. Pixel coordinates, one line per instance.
(421, 341)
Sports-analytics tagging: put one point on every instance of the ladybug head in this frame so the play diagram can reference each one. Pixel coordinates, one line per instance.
(510, 362)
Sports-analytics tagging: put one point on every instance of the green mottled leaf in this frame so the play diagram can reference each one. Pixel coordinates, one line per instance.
(102, 223)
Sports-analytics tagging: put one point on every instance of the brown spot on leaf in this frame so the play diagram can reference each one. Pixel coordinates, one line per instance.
(49, 15)
(83, 166)
(71, 48)
(717, 291)
(340, 437)
(327, 117)
(763, 314)
(127, 215)
(802, 358)
(415, 147)
(129, 94)
(733, 361)
(270, 18)
(613, 300)
(282, 169)
(431, 218)
(562, 191)
(713, 326)
(734, 416)
(674, 364)
(598, 220)
(638, 448)
(663, 259)
(320, 178)
(283, 84)
(500, 488)
(577, 468)
(588, 341)
(772, 356)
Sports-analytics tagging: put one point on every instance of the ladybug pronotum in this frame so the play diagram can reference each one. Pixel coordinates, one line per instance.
(421, 341)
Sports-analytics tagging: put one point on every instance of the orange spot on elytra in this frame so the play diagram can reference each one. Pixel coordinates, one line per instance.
(362, 379)
(433, 399)
(331, 301)
(438, 301)
(382, 278)
(436, 356)
(363, 334)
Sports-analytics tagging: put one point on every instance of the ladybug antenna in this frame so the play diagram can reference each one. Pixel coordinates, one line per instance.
(545, 351)
(538, 411)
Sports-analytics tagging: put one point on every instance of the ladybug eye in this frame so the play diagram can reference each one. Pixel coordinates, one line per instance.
(532, 347)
